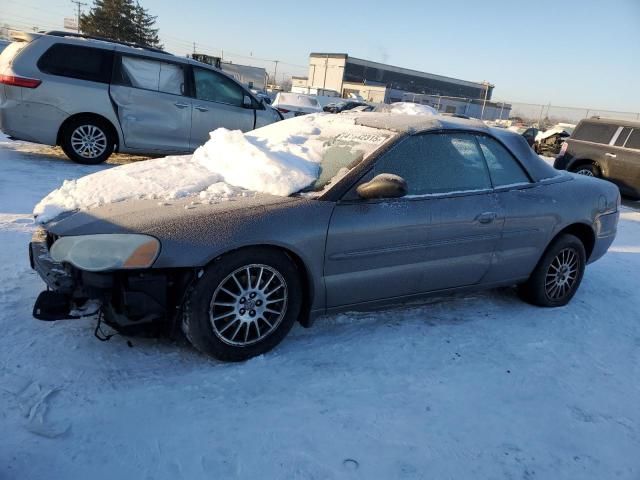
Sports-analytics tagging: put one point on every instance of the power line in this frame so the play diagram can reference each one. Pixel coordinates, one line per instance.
(80, 5)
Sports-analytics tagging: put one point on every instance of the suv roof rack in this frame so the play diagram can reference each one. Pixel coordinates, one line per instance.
(59, 33)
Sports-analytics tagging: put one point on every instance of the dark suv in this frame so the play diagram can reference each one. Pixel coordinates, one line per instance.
(606, 148)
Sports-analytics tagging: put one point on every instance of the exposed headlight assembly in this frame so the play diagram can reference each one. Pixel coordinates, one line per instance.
(97, 253)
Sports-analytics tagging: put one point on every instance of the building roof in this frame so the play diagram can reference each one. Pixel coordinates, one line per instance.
(407, 71)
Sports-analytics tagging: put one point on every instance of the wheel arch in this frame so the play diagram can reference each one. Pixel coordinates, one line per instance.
(579, 162)
(583, 232)
(306, 278)
(77, 116)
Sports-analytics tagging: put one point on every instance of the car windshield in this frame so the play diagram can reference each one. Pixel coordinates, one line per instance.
(342, 152)
(308, 152)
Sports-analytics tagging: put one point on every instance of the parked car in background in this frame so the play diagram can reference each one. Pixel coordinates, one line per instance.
(530, 134)
(405, 206)
(93, 96)
(363, 108)
(550, 141)
(343, 106)
(295, 104)
(605, 148)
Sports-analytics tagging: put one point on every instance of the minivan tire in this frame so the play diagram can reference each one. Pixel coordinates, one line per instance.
(212, 329)
(558, 275)
(87, 140)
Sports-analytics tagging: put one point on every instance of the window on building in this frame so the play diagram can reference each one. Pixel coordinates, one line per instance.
(85, 63)
(437, 163)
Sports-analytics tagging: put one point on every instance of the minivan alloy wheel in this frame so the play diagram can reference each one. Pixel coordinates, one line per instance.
(248, 304)
(89, 141)
(562, 274)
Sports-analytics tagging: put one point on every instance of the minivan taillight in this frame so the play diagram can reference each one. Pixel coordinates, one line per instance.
(19, 81)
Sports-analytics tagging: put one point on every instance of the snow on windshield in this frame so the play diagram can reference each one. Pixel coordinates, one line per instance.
(305, 152)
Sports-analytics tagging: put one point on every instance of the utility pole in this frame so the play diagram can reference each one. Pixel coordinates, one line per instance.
(486, 94)
(275, 72)
(80, 5)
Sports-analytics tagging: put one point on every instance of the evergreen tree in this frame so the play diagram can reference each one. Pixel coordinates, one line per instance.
(121, 20)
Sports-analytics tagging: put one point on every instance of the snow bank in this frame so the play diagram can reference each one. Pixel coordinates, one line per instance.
(408, 108)
(280, 159)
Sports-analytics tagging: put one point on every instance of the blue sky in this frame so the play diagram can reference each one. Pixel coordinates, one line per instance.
(573, 53)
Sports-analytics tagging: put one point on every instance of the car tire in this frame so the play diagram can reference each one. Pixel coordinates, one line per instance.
(587, 169)
(231, 319)
(558, 274)
(87, 140)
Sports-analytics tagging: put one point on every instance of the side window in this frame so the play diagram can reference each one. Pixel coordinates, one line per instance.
(624, 134)
(85, 63)
(151, 74)
(503, 168)
(634, 140)
(214, 87)
(437, 163)
(595, 132)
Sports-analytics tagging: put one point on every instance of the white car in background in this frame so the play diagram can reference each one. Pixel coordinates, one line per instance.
(294, 104)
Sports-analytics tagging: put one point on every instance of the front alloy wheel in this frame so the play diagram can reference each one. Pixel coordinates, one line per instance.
(248, 305)
(244, 304)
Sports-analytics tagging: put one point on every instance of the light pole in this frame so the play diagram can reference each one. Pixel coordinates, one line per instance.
(486, 94)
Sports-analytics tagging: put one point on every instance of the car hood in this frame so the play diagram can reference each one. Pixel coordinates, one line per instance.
(152, 217)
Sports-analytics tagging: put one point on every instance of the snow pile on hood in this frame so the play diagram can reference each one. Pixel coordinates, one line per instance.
(408, 108)
(279, 159)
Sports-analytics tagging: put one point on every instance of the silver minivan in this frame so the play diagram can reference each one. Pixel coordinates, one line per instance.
(93, 97)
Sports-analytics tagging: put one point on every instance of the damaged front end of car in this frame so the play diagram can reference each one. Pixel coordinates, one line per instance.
(108, 275)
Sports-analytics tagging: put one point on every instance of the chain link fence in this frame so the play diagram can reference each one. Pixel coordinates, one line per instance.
(551, 114)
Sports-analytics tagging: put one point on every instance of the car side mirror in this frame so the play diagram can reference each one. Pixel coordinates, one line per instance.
(385, 185)
(246, 102)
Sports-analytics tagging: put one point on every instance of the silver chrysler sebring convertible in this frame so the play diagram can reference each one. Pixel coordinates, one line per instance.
(440, 204)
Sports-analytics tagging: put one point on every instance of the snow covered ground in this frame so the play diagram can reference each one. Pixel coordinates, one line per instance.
(470, 387)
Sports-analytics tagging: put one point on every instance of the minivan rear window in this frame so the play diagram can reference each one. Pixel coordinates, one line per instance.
(85, 63)
(595, 132)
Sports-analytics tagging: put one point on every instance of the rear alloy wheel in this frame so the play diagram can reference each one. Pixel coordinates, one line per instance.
(243, 305)
(588, 170)
(557, 276)
(87, 141)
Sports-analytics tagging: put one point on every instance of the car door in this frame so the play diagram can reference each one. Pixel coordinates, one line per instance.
(441, 235)
(218, 102)
(529, 211)
(153, 110)
(624, 164)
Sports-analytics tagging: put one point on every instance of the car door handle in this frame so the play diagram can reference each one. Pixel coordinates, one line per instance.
(486, 217)
(201, 109)
(181, 105)
(612, 155)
